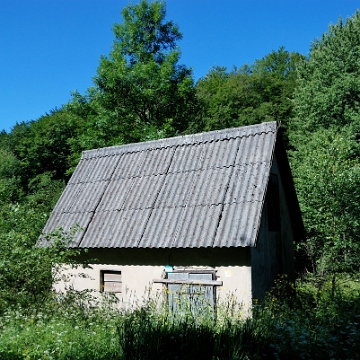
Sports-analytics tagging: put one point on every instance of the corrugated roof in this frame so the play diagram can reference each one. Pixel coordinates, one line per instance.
(202, 190)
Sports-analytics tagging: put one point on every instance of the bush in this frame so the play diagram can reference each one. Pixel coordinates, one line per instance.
(27, 272)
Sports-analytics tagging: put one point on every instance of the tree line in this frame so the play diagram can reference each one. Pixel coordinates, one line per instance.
(141, 92)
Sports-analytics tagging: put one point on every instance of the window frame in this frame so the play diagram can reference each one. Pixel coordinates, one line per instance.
(186, 286)
(104, 282)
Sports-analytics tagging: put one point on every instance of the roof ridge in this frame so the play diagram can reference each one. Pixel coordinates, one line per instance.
(174, 172)
(184, 140)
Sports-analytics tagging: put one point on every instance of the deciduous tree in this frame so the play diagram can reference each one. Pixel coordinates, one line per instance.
(252, 94)
(328, 92)
(141, 92)
(327, 178)
(324, 134)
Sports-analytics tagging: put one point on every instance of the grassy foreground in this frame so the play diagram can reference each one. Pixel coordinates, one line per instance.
(306, 323)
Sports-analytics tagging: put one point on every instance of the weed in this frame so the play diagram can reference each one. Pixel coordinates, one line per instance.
(296, 321)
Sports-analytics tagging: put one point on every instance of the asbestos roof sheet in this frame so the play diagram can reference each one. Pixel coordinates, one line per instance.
(201, 190)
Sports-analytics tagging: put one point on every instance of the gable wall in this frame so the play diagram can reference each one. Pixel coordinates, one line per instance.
(274, 251)
(287, 232)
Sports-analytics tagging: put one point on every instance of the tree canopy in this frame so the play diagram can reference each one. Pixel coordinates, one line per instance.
(329, 85)
(251, 94)
(324, 136)
(140, 92)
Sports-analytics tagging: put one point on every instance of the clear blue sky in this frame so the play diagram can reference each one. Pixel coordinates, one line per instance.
(51, 47)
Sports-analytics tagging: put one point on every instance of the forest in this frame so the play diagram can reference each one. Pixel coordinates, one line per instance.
(141, 92)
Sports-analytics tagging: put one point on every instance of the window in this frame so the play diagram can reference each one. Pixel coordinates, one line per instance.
(273, 203)
(193, 290)
(110, 281)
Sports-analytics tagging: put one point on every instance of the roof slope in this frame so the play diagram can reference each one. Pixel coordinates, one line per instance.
(202, 190)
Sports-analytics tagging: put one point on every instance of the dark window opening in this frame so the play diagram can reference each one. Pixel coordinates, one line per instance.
(273, 203)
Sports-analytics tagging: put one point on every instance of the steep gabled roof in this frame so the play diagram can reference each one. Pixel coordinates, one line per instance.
(202, 190)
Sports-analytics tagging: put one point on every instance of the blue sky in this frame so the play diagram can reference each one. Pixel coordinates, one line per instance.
(51, 47)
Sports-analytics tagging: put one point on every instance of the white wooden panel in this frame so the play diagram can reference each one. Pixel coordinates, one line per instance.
(112, 277)
(111, 286)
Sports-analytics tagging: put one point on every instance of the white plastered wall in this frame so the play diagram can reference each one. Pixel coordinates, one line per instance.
(137, 282)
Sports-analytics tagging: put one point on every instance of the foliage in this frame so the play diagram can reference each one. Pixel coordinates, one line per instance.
(42, 146)
(27, 273)
(307, 325)
(141, 92)
(324, 134)
(251, 94)
(9, 179)
(329, 83)
(61, 329)
(327, 176)
(313, 324)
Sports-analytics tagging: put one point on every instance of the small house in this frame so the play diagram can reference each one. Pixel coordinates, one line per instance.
(214, 211)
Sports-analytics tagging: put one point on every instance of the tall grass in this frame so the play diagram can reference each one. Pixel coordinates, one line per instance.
(292, 323)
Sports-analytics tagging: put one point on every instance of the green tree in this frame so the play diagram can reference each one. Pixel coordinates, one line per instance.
(328, 91)
(9, 180)
(42, 146)
(327, 178)
(324, 133)
(27, 273)
(140, 92)
(252, 94)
